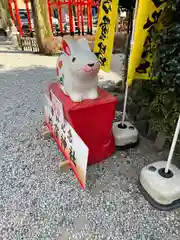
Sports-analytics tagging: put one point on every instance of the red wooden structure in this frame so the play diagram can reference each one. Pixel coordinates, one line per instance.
(79, 15)
(14, 13)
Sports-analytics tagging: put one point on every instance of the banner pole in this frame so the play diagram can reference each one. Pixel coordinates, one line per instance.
(173, 145)
(129, 30)
(128, 50)
(125, 104)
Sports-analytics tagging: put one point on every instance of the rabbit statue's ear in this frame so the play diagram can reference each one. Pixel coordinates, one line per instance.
(83, 43)
(68, 46)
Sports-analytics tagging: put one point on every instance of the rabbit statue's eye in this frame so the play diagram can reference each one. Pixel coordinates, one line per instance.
(73, 59)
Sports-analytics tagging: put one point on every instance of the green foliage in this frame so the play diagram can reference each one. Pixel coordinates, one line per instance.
(165, 106)
(163, 94)
(164, 111)
(166, 67)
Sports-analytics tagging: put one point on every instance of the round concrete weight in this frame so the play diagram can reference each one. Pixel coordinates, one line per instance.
(125, 136)
(161, 190)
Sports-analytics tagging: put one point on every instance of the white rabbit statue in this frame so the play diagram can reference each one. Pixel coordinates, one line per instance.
(77, 70)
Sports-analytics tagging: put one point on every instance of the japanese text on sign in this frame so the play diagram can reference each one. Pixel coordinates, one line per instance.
(141, 56)
(103, 46)
(71, 143)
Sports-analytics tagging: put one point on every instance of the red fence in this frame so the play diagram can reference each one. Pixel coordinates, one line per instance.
(66, 16)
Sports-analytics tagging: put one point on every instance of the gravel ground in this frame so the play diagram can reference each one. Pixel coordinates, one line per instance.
(37, 201)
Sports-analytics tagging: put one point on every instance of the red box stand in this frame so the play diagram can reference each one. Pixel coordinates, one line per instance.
(92, 121)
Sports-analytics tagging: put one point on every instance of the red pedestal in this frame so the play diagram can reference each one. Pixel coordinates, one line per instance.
(92, 120)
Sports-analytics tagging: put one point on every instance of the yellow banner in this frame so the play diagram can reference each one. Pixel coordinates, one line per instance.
(104, 41)
(141, 56)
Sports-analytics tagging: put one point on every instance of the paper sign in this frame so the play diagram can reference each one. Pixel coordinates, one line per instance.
(72, 144)
(58, 108)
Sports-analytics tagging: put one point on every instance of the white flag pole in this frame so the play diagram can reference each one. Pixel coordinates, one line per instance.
(173, 145)
(131, 43)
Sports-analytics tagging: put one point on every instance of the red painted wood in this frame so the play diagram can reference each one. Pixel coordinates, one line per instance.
(29, 16)
(60, 17)
(50, 14)
(18, 18)
(92, 120)
(11, 11)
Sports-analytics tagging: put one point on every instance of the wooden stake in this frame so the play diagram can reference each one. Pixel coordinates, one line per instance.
(45, 132)
(64, 166)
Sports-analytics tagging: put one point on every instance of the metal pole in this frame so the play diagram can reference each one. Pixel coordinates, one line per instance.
(173, 145)
(129, 31)
(131, 28)
(125, 104)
